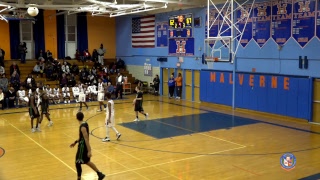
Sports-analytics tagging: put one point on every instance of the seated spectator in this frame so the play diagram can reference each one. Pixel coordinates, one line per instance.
(110, 88)
(75, 69)
(2, 70)
(83, 74)
(10, 97)
(15, 80)
(48, 56)
(30, 82)
(108, 80)
(4, 83)
(78, 55)
(36, 69)
(41, 55)
(94, 71)
(2, 99)
(120, 64)
(94, 56)
(21, 96)
(86, 55)
(64, 81)
(49, 70)
(72, 81)
(65, 68)
(14, 67)
(42, 68)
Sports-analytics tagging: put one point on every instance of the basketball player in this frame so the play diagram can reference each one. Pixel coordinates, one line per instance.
(45, 108)
(66, 93)
(33, 109)
(84, 149)
(137, 102)
(100, 94)
(82, 97)
(110, 121)
(75, 92)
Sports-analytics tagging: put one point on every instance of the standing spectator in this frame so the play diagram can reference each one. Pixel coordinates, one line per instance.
(2, 53)
(22, 51)
(4, 83)
(2, 99)
(101, 51)
(179, 86)
(2, 70)
(14, 67)
(119, 87)
(171, 85)
(156, 83)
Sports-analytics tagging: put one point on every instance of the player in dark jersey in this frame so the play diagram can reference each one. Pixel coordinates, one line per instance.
(137, 102)
(84, 149)
(33, 110)
(44, 108)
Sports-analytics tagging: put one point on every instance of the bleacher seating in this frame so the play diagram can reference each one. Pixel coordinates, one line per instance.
(27, 68)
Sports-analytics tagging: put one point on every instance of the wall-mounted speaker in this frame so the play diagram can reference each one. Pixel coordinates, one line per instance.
(162, 59)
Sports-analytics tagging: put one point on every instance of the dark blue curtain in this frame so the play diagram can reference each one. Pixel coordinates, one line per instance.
(61, 36)
(38, 33)
(14, 28)
(82, 31)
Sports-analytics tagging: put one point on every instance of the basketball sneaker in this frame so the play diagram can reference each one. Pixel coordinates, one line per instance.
(106, 139)
(99, 110)
(50, 123)
(118, 136)
(147, 116)
(136, 119)
(33, 130)
(101, 175)
(38, 129)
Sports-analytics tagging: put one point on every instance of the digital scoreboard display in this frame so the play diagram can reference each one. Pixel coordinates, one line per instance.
(181, 21)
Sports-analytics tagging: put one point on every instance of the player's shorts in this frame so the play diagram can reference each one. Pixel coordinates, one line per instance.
(82, 153)
(100, 97)
(138, 107)
(112, 120)
(32, 113)
(82, 97)
(44, 109)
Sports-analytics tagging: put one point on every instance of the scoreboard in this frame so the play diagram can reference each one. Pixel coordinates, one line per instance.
(181, 41)
(181, 21)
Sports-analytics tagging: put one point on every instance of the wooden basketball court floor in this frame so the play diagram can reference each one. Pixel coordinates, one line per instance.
(180, 140)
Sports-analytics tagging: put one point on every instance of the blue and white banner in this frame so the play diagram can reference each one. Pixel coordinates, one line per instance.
(181, 47)
(162, 34)
(303, 21)
(261, 26)
(281, 21)
(245, 24)
(225, 23)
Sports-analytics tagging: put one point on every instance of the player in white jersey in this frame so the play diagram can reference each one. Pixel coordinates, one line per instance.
(93, 91)
(21, 96)
(100, 94)
(110, 120)
(75, 92)
(66, 94)
(82, 96)
(49, 94)
(56, 94)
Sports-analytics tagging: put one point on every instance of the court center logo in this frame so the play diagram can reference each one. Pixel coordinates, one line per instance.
(288, 161)
(1, 152)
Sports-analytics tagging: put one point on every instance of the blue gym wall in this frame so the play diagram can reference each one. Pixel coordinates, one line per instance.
(270, 60)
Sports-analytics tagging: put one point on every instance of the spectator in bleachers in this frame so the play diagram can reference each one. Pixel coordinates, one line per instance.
(2, 99)
(111, 68)
(22, 52)
(10, 97)
(105, 70)
(74, 69)
(101, 51)
(110, 88)
(86, 55)
(2, 70)
(2, 53)
(120, 64)
(42, 67)
(72, 81)
(94, 71)
(36, 69)
(48, 56)
(78, 55)
(15, 80)
(4, 83)
(65, 68)
(41, 55)
(83, 74)
(94, 56)
(49, 70)
(14, 67)
(108, 79)
(21, 96)
(63, 81)
(30, 82)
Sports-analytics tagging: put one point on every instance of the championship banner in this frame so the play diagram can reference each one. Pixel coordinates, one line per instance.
(281, 21)
(261, 29)
(147, 68)
(303, 22)
(243, 16)
(181, 47)
(162, 34)
(213, 31)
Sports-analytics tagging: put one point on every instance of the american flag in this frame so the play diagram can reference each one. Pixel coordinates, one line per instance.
(143, 32)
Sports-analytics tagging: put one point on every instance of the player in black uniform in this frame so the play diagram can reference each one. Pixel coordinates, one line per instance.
(84, 149)
(33, 110)
(137, 102)
(44, 108)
